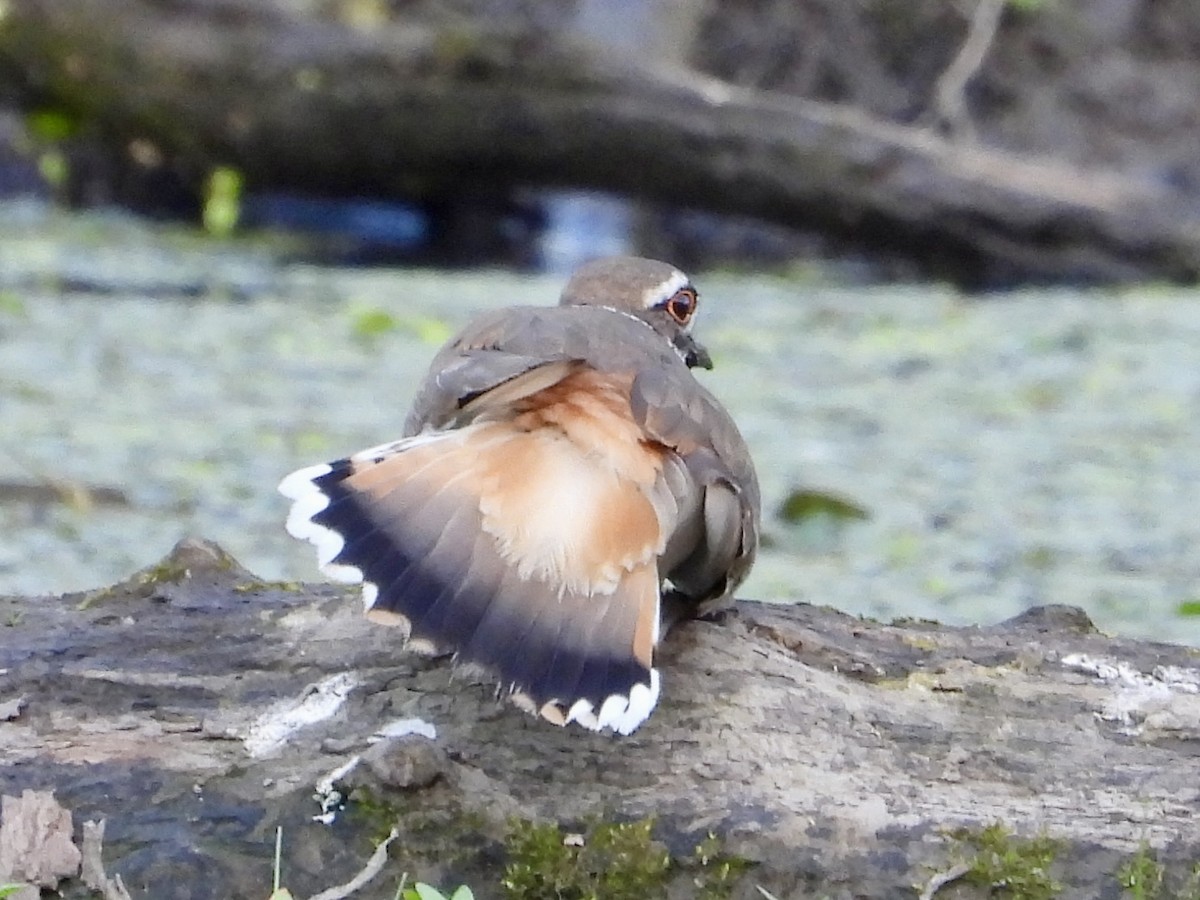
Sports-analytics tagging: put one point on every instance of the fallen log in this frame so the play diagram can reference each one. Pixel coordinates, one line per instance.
(197, 709)
(300, 102)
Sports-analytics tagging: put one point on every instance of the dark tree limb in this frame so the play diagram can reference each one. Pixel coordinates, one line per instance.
(408, 111)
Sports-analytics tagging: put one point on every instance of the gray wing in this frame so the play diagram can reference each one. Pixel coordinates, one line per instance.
(511, 353)
(496, 351)
(716, 486)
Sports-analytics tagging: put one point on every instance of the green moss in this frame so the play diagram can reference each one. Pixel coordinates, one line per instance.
(1191, 887)
(166, 572)
(611, 861)
(431, 834)
(143, 584)
(922, 642)
(1142, 874)
(1010, 866)
(1028, 6)
(378, 815)
(253, 587)
(1145, 877)
(605, 861)
(715, 872)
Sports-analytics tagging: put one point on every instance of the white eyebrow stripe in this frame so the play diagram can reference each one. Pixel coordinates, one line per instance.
(651, 297)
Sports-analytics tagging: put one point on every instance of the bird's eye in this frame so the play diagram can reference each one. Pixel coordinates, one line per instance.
(682, 305)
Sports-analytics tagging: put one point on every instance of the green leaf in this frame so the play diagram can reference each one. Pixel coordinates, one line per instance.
(9, 889)
(463, 893)
(51, 124)
(1188, 608)
(222, 201)
(422, 891)
(802, 505)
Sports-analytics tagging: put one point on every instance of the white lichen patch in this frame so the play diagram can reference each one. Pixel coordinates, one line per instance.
(331, 799)
(271, 730)
(1167, 698)
(306, 618)
(1179, 678)
(403, 728)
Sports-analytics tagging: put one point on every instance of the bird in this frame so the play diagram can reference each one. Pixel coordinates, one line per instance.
(564, 490)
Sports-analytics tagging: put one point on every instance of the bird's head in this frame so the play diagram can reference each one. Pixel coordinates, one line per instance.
(654, 292)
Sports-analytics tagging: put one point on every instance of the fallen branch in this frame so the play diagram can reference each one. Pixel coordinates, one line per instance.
(92, 871)
(307, 104)
(372, 868)
(811, 743)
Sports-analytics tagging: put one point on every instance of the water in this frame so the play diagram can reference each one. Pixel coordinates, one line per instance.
(1041, 447)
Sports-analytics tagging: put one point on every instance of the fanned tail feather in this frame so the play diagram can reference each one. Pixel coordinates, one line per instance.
(438, 529)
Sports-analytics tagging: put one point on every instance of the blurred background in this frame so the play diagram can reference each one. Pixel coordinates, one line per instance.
(947, 253)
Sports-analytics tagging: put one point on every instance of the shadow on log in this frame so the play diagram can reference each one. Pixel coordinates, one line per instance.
(302, 103)
(196, 709)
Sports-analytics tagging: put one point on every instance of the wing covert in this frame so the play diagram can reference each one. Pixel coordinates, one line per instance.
(716, 541)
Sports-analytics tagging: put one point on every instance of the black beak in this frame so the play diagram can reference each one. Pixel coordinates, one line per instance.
(693, 352)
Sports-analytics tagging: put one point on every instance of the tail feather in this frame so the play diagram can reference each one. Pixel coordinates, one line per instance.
(575, 650)
(598, 706)
(458, 603)
(351, 503)
(496, 623)
(416, 522)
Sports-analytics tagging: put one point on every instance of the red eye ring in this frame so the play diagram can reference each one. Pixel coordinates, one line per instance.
(682, 305)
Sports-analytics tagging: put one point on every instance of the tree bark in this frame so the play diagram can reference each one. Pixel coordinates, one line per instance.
(400, 110)
(196, 708)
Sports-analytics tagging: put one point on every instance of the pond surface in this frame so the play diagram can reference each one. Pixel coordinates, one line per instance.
(1008, 451)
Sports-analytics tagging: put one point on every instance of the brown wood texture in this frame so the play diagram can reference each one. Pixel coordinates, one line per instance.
(837, 754)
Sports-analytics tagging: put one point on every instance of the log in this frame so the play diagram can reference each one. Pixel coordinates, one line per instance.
(404, 110)
(196, 709)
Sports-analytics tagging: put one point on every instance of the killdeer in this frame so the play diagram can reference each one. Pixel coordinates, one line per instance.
(565, 490)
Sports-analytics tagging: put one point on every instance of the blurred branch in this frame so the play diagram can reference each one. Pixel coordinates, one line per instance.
(950, 91)
(298, 103)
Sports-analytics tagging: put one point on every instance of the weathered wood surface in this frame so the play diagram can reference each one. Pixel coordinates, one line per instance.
(397, 109)
(834, 752)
